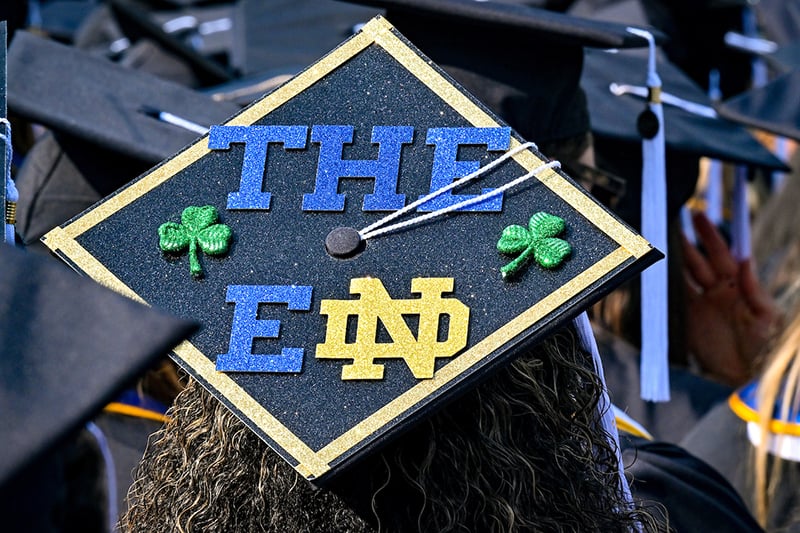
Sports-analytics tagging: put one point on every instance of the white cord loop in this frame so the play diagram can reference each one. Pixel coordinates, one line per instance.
(376, 229)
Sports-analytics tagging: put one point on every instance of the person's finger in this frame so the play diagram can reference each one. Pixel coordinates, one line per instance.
(719, 255)
(696, 266)
(692, 290)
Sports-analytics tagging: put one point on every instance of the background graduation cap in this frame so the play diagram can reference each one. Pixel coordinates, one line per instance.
(615, 85)
(106, 105)
(109, 124)
(694, 32)
(190, 44)
(555, 114)
(247, 221)
(544, 103)
(69, 347)
(275, 40)
(285, 36)
(136, 22)
(773, 107)
(779, 20)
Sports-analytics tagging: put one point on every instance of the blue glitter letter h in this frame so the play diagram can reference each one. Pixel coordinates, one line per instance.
(331, 168)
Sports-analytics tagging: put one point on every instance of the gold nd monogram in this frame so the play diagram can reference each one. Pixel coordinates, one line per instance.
(375, 304)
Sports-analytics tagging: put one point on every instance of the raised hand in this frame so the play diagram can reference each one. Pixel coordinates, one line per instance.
(730, 316)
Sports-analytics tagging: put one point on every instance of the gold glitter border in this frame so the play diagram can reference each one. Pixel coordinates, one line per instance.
(311, 463)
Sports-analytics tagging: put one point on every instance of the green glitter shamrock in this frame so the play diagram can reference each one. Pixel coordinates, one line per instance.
(198, 227)
(537, 240)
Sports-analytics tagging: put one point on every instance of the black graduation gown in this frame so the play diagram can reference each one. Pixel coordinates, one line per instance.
(721, 440)
(695, 498)
(692, 396)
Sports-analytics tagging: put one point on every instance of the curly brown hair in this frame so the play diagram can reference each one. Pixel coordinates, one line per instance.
(521, 452)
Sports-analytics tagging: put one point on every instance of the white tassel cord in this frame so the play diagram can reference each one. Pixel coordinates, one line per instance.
(713, 193)
(778, 179)
(375, 229)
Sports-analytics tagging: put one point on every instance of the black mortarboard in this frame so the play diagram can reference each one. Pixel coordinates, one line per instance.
(779, 20)
(659, 159)
(325, 329)
(136, 23)
(69, 346)
(693, 29)
(689, 134)
(289, 35)
(696, 44)
(621, 11)
(96, 101)
(773, 107)
(544, 103)
(786, 58)
(104, 131)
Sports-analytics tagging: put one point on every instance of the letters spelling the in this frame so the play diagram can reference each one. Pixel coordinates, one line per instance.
(331, 167)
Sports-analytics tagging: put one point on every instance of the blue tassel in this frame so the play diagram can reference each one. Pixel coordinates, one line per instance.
(12, 195)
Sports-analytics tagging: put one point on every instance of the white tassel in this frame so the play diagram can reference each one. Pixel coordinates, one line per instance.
(740, 231)
(687, 226)
(713, 192)
(777, 179)
(655, 308)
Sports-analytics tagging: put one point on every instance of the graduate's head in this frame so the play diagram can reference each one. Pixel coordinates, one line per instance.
(521, 452)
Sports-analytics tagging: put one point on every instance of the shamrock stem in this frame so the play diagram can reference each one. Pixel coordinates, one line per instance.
(194, 261)
(514, 266)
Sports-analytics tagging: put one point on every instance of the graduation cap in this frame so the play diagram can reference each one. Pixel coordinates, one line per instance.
(543, 100)
(347, 285)
(615, 86)
(772, 107)
(620, 91)
(786, 58)
(136, 22)
(110, 124)
(285, 36)
(69, 347)
(779, 20)
(92, 99)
